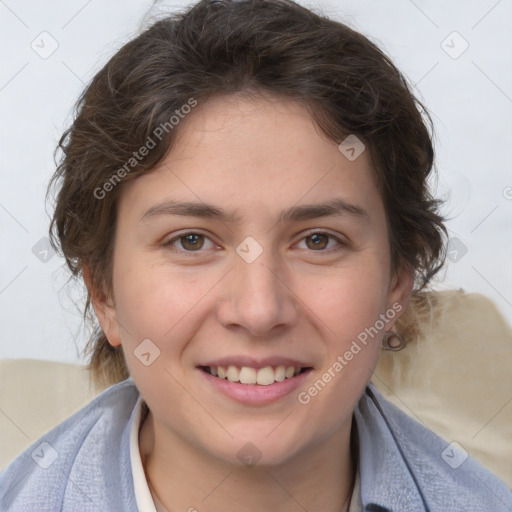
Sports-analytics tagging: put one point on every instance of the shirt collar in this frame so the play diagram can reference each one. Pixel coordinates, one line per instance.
(387, 482)
(143, 495)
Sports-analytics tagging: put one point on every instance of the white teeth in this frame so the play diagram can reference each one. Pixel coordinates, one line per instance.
(248, 375)
(263, 376)
(280, 372)
(233, 374)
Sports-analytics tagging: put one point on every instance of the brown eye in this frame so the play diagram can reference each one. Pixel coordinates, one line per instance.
(191, 242)
(317, 241)
(321, 242)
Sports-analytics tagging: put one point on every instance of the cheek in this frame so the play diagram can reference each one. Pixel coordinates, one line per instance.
(349, 309)
(349, 305)
(350, 300)
(152, 298)
(166, 306)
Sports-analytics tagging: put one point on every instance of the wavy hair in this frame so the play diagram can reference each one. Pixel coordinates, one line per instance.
(217, 48)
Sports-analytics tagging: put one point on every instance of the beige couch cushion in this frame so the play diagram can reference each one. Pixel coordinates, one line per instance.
(456, 379)
(34, 397)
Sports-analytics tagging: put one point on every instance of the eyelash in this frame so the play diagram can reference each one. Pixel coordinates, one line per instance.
(341, 243)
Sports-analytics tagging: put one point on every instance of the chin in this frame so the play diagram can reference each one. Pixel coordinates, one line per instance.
(257, 450)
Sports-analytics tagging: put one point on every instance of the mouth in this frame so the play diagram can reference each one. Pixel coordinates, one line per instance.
(255, 383)
(265, 376)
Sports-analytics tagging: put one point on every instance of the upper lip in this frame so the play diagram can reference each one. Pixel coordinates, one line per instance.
(252, 362)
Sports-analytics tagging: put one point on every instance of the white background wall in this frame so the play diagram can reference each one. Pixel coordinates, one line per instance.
(470, 97)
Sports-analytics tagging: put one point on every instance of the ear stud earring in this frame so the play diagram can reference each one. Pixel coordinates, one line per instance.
(392, 341)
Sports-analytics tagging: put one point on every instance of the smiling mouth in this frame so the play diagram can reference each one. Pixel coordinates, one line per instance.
(259, 376)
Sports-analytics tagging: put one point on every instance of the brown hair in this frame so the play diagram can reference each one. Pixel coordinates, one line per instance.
(220, 48)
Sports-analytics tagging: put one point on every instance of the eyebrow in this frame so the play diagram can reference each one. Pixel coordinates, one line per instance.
(334, 207)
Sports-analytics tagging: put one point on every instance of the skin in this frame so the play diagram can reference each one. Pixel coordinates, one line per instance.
(254, 158)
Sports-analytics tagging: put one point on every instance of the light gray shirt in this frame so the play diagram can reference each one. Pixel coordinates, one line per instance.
(84, 464)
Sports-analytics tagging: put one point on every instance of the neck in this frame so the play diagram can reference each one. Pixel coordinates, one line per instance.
(185, 478)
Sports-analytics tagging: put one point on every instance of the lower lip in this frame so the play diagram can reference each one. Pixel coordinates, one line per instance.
(254, 394)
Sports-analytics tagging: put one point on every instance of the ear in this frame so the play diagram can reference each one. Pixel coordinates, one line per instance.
(401, 286)
(104, 308)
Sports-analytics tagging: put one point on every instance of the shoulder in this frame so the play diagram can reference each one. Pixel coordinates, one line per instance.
(81, 464)
(407, 466)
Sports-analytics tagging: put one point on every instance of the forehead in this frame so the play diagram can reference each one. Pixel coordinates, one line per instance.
(247, 123)
(256, 153)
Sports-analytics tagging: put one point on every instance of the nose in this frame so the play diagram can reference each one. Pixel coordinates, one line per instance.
(258, 299)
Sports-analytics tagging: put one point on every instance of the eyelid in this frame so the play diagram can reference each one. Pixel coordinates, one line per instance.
(169, 242)
(324, 231)
(342, 240)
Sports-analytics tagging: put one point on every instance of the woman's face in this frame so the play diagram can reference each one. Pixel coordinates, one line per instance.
(256, 243)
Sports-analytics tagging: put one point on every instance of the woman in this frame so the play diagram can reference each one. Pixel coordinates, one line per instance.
(244, 193)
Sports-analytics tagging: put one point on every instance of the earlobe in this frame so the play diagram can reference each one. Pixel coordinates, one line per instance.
(401, 289)
(400, 294)
(104, 308)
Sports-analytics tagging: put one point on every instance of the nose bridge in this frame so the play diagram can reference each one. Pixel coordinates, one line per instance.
(260, 282)
(259, 298)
